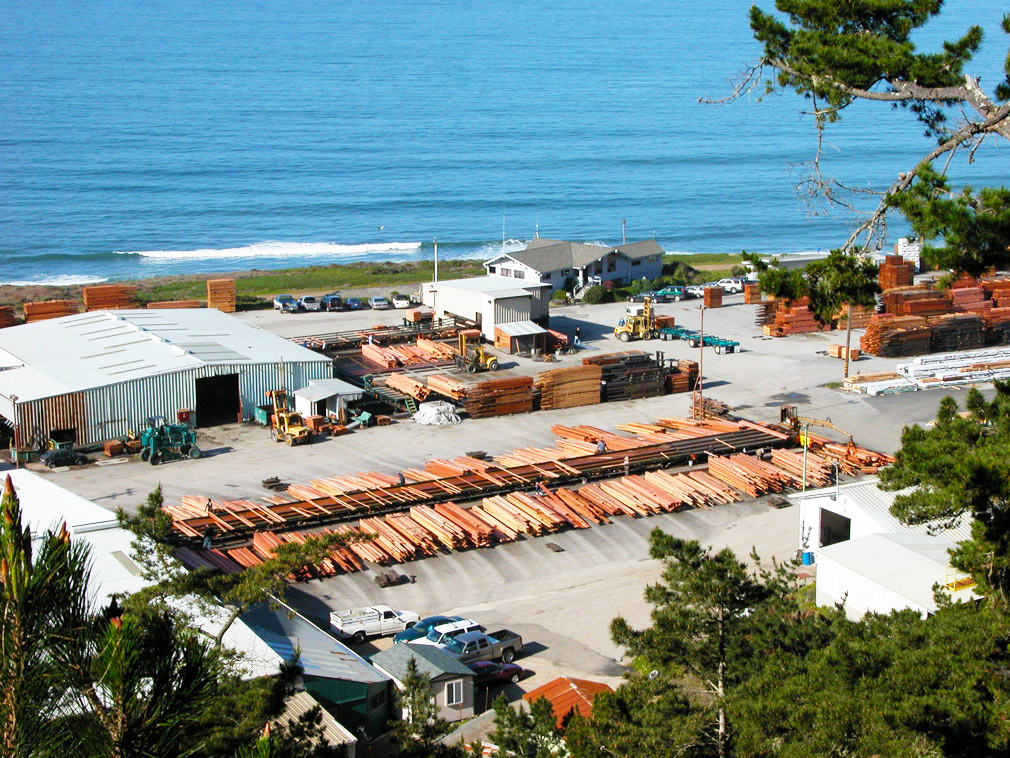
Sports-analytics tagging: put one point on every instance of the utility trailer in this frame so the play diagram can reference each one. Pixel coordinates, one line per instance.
(694, 339)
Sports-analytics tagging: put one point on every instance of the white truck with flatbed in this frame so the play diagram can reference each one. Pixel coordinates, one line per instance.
(359, 624)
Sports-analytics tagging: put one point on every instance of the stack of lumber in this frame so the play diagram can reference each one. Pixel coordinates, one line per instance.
(569, 387)
(499, 397)
(959, 331)
(7, 316)
(438, 351)
(964, 281)
(997, 326)
(221, 294)
(839, 351)
(446, 386)
(408, 386)
(664, 322)
(703, 407)
(968, 299)
(713, 297)
(998, 290)
(417, 315)
(819, 471)
(629, 375)
(797, 318)
(412, 531)
(448, 533)
(109, 297)
(389, 539)
(163, 304)
(895, 271)
(766, 311)
(916, 301)
(851, 459)
(861, 315)
(748, 474)
(752, 294)
(382, 356)
(392, 356)
(893, 336)
(477, 532)
(46, 309)
(684, 378)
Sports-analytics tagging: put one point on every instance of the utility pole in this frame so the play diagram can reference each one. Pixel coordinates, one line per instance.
(436, 258)
(848, 336)
(698, 412)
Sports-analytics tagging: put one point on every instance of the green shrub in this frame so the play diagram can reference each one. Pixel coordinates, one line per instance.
(597, 294)
(559, 296)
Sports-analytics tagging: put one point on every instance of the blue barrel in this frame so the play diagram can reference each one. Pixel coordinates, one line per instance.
(808, 558)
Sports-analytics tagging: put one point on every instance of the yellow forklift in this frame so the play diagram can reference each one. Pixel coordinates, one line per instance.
(638, 324)
(471, 355)
(286, 425)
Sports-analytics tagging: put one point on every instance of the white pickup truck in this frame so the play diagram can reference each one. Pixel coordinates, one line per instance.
(375, 621)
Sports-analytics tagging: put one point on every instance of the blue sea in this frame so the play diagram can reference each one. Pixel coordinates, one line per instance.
(146, 137)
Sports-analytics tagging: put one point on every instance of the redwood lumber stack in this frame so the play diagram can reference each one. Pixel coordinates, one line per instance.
(752, 294)
(383, 356)
(629, 375)
(684, 378)
(839, 351)
(389, 539)
(109, 297)
(408, 386)
(916, 301)
(997, 326)
(413, 532)
(893, 336)
(664, 322)
(748, 474)
(499, 397)
(221, 294)
(895, 271)
(819, 471)
(164, 304)
(436, 350)
(957, 331)
(478, 532)
(446, 386)
(861, 315)
(713, 297)
(7, 316)
(417, 315)
(797, 318)
(445, 530)
(46, 309)
(967, 299)
(765, 314)
(569, 387)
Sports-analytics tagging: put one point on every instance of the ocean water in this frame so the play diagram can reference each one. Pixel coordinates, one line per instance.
(142, 138)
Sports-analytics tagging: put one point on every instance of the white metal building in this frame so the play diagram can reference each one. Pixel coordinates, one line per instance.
(94, 376)
(489, 300)
(880, 573)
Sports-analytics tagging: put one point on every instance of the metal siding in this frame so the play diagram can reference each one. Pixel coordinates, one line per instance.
(511, 309)
(254, 381)
(36, 419)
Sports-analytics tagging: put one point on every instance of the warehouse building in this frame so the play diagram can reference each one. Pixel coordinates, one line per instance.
(95, 376)
(489, 301)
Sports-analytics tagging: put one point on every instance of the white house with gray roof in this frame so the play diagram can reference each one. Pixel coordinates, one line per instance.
(451, 681)
(554, 262)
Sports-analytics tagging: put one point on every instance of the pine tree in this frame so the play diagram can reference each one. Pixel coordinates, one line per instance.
(419, 730)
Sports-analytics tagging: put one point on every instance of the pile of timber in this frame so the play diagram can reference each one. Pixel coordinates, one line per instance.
(960, 331)
(852, 460)
(498, 397)
(7, 316)
(766, 311)
(418, 315)
(752, 293)
(684, 378)
(221, 294)
(840, 351)
(893, 336)
(916, 301)
(436, 351)
(861, 315)
(819, 470)
(713, 297)
(705, 407)
(749, 474)
(796, 318)
(997, 326)
(968, 299)
(109, 297)
(164, 304)
(895, 271)
(408, 386)
(46, 309)
(394, 356)
(446, 386)
(629, 375)
(569, 387)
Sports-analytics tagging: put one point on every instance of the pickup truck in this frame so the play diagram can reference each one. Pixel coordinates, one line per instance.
(479, 646)
(377, 620)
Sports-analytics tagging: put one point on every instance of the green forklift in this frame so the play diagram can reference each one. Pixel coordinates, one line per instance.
(162, 441)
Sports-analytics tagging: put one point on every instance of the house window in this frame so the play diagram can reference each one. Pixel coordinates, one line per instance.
(636, 262)
(454, 692)
(490, 269)
(519, 274)
(505, 272)
(653, 259)
(611, 266)
(377, 700)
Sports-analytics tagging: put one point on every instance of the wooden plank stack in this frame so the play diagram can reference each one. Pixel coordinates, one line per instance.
(958, 331)
(861, 315)
(968, 299)
(895, 271)
(417, 315)
(838, 351)
(46, 309)
(916, 301)
(752, 293)
(893, 336)
(629, 375)
(997, 326)
(446, 386)
(748, 474)
(766, 311)
(163, 304)
(713, 297)
(109, 297)
(569, 387)
(499, 397)
(221, 294)
(408, 386)
(684, 378)
(7, 316)
(797, 318)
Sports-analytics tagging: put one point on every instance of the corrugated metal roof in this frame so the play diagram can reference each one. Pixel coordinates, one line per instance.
(428, 659)
(321, 654)
(521, 328)
(320, 389)
(96, 349)
(567, 694)
(876, 503)
(299, 704)
(903, 563)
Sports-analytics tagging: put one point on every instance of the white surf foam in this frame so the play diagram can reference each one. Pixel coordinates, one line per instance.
(490, 249)
(281, 250)
(62, 280)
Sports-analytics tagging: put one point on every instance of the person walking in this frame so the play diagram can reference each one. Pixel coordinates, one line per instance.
(578, 335)
(601, 447)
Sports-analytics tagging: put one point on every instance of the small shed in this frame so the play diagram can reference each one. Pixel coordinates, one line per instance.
(568, 695)
(489, 301)
(322, 397)
(520, 337)
(451, 681)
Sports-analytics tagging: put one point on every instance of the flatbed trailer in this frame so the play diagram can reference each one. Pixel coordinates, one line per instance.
(387, 335)
(694, 339)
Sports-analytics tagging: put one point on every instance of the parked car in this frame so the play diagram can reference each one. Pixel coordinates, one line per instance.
(656, 297)
(478, 646)
(378, 303)
(422, 627)
(376, 620)
(698, 290)
(732, 284)
(309, 303)
(674, 293)
(401, 301)
(331, 302)
(354, 304)
(489, 672)
(54, 458)
(438, 636)
(285, 304)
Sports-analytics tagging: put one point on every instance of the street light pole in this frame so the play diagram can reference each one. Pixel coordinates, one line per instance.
(698, 389)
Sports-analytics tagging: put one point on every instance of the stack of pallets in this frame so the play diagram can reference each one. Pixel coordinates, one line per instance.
(162, 304)
(892, 336)
(895, 271)
(46, 309)
(713, 297)
(752, 294)
(499, 397)
(221, 294)
(957, 331)
(109, 297)
(7, 316)
(569, 387)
